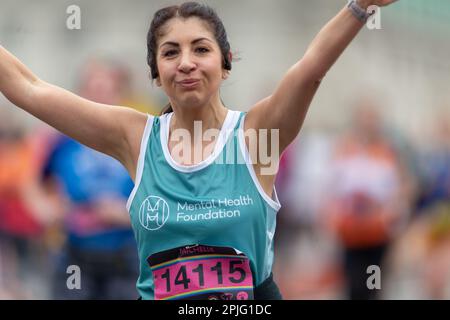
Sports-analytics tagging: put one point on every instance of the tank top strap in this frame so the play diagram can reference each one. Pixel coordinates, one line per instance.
(241, 116)
(230, 152)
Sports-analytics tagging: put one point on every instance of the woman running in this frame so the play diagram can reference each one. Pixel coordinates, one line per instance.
(204, 228)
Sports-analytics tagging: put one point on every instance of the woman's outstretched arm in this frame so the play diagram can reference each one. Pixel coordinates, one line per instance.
(112, 130)
(287, 107)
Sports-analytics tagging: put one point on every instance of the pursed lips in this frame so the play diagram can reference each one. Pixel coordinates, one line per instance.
(188, 83)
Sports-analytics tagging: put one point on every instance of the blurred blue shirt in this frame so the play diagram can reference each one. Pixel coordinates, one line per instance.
(87, 176)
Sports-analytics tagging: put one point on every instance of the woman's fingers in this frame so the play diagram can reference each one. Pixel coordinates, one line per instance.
(383, 3)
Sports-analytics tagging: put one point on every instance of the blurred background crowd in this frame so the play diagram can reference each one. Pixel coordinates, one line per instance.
(367, 181)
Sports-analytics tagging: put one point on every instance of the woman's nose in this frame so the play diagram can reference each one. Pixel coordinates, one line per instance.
(186, 63)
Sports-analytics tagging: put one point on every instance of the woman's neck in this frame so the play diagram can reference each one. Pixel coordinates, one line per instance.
(210, 116)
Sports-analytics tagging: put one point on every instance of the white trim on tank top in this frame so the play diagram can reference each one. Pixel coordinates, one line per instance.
(274, 203)
(141, 159)
(227, 129)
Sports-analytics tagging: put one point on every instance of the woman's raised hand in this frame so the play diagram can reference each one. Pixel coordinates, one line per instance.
(381, 3)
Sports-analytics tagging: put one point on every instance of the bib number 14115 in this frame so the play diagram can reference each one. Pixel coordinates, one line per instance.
(236, 274)
(201, 272)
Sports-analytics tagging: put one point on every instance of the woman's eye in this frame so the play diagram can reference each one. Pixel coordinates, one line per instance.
(169, 53)
(202, 50)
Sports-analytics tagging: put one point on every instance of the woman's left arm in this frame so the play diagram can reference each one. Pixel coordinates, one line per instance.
(287, 107)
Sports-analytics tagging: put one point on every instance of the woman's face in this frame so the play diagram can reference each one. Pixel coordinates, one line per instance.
(189, 62)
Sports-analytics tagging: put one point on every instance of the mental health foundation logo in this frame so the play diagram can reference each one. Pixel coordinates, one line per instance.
(154, 213)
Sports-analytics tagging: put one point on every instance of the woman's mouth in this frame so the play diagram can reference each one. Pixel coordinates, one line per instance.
(188, 84)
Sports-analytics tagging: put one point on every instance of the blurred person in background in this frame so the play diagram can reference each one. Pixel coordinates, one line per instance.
(426, 243)
(435, 165)
(366, 201)
(25, 210)
(99, 237)
(306, 254)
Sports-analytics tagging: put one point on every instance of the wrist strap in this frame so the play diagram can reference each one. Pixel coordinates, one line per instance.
(361, 14)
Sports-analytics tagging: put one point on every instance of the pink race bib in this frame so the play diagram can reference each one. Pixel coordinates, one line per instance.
(199, 272)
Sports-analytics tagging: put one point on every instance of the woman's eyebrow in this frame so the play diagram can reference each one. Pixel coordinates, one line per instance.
(176, 44)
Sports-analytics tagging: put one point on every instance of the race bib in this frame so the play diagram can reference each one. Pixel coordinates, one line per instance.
(198, 272)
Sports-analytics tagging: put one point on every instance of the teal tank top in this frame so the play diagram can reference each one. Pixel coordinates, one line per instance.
(216, 202)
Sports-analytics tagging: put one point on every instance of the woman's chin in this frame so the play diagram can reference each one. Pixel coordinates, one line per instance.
(192, 100)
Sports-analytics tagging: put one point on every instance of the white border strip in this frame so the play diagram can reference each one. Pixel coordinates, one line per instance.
(275, 204)
(141, 159)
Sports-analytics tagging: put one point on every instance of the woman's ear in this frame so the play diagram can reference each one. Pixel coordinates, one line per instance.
(225, 74)
(158, 82)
